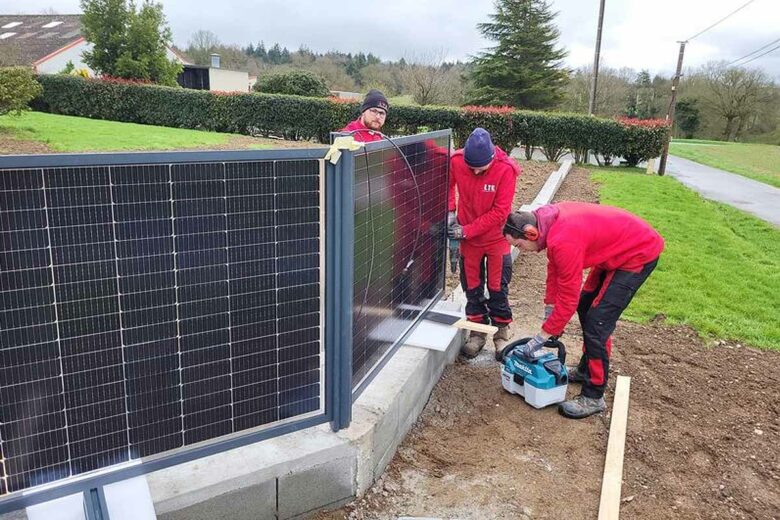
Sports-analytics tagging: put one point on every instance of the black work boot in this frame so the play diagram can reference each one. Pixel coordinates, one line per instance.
(581, 407)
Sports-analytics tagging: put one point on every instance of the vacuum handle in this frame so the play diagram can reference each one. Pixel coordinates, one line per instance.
(554, 342)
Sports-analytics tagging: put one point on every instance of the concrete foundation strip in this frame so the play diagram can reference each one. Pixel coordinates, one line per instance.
(609, 507)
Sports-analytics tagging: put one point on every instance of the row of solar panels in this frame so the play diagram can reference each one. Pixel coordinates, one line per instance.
(150, 306)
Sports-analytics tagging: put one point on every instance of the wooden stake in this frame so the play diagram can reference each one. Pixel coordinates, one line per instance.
(609, 507)
(477, 327)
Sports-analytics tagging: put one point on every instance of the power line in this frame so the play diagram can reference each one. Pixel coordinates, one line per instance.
(722, 19)
(762, 54)
(753, 52)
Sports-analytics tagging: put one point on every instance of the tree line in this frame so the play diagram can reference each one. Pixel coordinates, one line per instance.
(523, 68)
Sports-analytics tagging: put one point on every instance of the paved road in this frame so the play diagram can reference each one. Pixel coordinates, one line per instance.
(757, 198)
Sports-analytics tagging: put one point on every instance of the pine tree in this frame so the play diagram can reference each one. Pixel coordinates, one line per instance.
(260, 52)
(644, 97)
(524, 68)
(275, 55)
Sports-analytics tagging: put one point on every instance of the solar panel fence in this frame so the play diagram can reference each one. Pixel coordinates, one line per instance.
(148, 305)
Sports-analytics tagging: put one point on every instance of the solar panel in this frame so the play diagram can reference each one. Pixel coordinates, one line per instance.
(400, 244)
(147, 307)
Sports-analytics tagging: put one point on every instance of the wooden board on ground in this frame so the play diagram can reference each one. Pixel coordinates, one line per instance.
(609, 507)
(477, 327)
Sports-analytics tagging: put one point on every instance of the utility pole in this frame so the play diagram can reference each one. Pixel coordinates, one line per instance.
(670, 111)
(594, 83)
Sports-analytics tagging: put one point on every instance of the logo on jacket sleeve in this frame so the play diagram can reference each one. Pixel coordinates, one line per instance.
(489, 188)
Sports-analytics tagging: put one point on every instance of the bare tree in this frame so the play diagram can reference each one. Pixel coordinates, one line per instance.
(611, 97)
(424, 77)
(201, 45)
(735, 94)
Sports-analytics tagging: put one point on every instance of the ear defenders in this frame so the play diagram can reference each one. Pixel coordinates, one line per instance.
(529, 231)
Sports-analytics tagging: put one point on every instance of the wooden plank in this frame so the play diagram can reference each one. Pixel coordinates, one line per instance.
(477, 327)
(609, 507)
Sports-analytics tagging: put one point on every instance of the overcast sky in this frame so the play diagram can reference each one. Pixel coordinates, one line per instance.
(637, 33)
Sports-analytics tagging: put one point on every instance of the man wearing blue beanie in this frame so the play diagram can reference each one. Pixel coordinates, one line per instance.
(485, 179)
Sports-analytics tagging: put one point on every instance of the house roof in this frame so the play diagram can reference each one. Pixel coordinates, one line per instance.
(26, 39)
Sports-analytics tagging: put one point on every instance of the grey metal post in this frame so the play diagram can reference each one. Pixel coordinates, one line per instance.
(95, 505)
(339, 250)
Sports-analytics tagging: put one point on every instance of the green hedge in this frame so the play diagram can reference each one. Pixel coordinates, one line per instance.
(305, 118)
(17, 89)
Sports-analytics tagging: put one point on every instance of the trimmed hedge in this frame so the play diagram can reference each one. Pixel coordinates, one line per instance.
(305, 118)
(294, 82)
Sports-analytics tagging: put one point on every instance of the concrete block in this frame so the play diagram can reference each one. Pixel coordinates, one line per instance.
(69, 507)
(360, 435)
(256, 502)
(129, 499)
(383, 460)
(385, 433)
(194, 482)
(317, 487)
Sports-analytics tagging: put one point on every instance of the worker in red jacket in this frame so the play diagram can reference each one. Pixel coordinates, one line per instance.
(373, 113)
(485, 179)
(619, 248)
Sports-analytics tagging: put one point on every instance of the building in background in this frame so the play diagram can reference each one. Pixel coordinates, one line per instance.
(214, 77)
(48, 42)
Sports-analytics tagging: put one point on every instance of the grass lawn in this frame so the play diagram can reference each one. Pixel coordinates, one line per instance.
(401, 100)
(698, 141)
(77, 134)
(720, 271)
(760, 162)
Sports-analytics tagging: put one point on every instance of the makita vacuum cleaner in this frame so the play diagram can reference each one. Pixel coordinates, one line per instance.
(541, 380)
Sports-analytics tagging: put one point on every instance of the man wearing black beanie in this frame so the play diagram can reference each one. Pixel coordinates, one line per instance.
(373, 112)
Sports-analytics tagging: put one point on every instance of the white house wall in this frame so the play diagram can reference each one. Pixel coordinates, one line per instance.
(58, 62)
(228, 80)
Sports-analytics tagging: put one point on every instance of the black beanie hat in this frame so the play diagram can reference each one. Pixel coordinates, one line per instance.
(374, 99)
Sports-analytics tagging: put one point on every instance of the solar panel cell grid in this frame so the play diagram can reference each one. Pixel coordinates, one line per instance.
(148, 307)
(399, 244)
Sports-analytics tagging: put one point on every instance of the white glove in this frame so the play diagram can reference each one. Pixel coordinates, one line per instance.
(548, 310)
(452, 218)
(533, 348)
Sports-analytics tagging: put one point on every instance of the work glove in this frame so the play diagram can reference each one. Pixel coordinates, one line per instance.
(452, 218)
(533, 348)
(455, 232)
(548, 310)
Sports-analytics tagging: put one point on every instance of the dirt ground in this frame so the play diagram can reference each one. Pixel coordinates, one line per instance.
(12, 145)
(703, 438)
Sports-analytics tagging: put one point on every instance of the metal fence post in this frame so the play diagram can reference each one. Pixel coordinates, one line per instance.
(339, 251)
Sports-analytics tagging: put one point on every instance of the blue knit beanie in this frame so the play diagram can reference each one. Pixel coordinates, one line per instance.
(479, 149)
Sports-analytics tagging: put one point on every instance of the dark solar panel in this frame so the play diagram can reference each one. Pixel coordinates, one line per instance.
(399, 244)
(149, 307)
